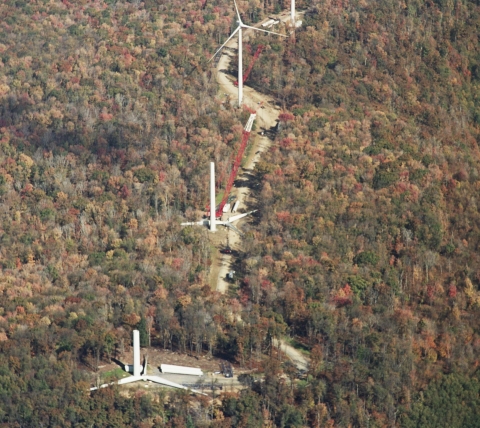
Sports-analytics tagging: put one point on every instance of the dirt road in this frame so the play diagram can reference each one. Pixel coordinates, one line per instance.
(266, 118)
(296, 356)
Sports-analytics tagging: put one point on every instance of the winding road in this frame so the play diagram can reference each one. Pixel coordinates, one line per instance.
(266, 118)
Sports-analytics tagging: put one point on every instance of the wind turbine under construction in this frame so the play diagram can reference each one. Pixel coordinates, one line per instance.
(139, 372)
(213, 222)
(214, 213)
(238, 30)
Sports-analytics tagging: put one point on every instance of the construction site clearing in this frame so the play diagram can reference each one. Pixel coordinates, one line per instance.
(217, 373)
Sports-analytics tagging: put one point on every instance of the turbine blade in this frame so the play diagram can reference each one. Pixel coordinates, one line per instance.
(129, 380)
(239, 216)
(101, 386)
(221, 47)
(231, 226)
(265, 31)
(193, 223)
(162, 381)
(238, 14)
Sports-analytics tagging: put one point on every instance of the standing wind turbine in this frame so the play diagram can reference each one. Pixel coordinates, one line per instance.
(238, 30)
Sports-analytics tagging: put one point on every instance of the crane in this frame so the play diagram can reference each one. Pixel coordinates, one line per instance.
(236, 164)
(249, 69)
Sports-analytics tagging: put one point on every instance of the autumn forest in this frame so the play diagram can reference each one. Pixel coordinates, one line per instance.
(363, 251)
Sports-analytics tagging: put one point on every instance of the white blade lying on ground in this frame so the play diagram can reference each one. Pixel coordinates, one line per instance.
(239, 216)
(231, 226)
(150, 378)
(195, 223)
(162, 381)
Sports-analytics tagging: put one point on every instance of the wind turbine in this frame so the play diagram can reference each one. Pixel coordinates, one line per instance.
(213, 222)
(139, 372)
(239, 30)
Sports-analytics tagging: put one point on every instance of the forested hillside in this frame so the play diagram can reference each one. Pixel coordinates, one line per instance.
(368, 239)
(365, 245)
(108, 119)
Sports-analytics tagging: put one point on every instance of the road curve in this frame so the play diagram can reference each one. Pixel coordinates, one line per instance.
(296, 356)
(266, 118)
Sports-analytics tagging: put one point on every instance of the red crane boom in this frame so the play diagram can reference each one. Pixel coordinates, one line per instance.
(249, 69)
(236, 165)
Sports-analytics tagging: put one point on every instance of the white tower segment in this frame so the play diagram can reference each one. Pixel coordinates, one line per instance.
(238, 30)
(137, 367)
(292, 12)
(213, 220)
(240, 64)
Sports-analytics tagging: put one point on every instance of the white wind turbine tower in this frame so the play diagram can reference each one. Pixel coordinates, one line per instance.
(213, 222)
(238, 30)
(292, 12)
(293, 16)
